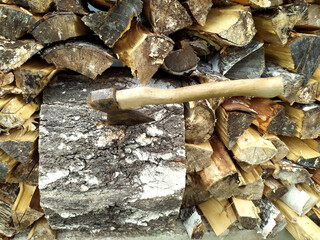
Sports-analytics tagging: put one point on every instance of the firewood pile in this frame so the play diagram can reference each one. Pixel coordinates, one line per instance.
(215, 163)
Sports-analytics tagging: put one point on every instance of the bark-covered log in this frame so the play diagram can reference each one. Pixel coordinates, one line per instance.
(7, 165)
(58, 26)
(181, 61)
(274, 26)
(112, 25)
(166, 16)
(251, 186)
(142, 183)
(273, 189)
(85, 57)
(75, 6)
(41, 230)
(228, 26)
(36, 6)
(6, 79)
(144, 52)
(221, 177)
(265, 169)
(199, 9)
(200, 46)
(198, 156)
(246, 212)
(17, 21)
(192, 222)
(15, 53)
(272, 220)
(300, 54)
(308, 93)
(310, 18)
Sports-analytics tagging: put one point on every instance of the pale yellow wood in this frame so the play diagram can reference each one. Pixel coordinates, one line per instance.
(14, 105)
(247, 213)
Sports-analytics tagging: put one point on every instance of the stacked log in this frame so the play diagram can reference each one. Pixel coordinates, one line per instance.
(219, 163)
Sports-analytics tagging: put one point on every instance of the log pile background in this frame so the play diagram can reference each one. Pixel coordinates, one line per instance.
(252, 163)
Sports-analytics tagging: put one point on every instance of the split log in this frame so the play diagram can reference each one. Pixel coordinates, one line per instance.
(272, 220)
(192, 222)
(87, 58)
(228, 26)
(246, 212)
(36, 6)
(282, 149)
(9, 89)
(167, 16)
(6, 1)
(199, 121)
(199, 9)
(198, 156)
(41, 230)
(15, 53)
(315, 175)
(273, 189)
(251, 185)
(142, 51)
(26, 209)
(6, 78)
(75, 6)
(108, 25)
(8, 194)
(313, 143)
(221, 177)
(274, 26)
(222, 210)
(7, 165)
(292, 81)
(300, 54)
(299, 227)
(306, 117)
(17, 21)
(200, 46)
(289, 173)
(310, 18)
(251, 148)
(265, 169)
(181, 61)
(300, 153)
(102, 4)
(233, 118)
(271, 117)
(299, 201)
(58, 26)
(32, 77)
(308, 93)
(257, 4)
(16, 112)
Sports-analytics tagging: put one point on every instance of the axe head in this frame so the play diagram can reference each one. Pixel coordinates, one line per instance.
(104, 100)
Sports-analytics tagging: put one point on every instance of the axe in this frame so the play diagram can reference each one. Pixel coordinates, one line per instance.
(118, 104)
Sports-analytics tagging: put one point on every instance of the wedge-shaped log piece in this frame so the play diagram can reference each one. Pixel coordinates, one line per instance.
(292, 81)
(251, 148)
(282, 149)
(251, 185)
(313, 143)
(33, 76)
(181, 61)
(199, 122)
(310, 18)
(228, 26)
(272, 220)
(17, 21)
(274, 26)
(26, 208)
(221, 177)
(300, 54)
(265, 169)
(306, 117)
(75, 6)
(87, 58)
(41, 230)
(246, 212)
(192, 222)
(308, 93)
(198, 156)
(290, 173)
(16, 112)
(259, 3)
(36, 6)
(271, 117)
(58, 26)
(316, 175)
(15, 53)
(233, 118)
(7, 164)
(301, 153)
(166, 16)
(142, 51)
(299, 227)
(300, 201)
(219, 214)
(112, 25)
(19, 144)
(273, 189)
(8, 194)
(199, 9)
(6, 78)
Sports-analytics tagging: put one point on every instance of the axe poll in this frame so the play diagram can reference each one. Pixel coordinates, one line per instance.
(119, 104)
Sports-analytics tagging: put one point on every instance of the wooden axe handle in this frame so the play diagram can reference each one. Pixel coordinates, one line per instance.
(257, 87)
